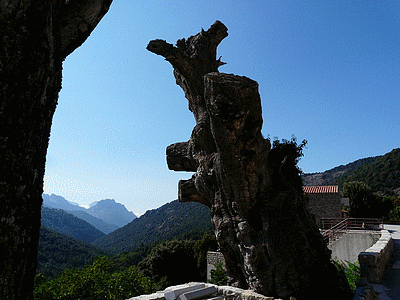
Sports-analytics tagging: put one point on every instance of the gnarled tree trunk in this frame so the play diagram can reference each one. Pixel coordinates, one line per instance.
(36, 36)
(262, 223)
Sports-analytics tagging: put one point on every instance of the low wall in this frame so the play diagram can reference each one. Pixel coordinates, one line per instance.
(347, 248)
(374, 260)
(225, 292)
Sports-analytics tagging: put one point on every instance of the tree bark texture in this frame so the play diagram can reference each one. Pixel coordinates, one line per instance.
(36, 36)
(262, 223)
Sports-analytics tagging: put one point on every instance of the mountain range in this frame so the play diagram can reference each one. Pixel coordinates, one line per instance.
(66, 243)
(106, 215)
(64, 222)
(172, 220)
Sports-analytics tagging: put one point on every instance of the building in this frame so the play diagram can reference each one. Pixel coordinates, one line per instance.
(325, 201)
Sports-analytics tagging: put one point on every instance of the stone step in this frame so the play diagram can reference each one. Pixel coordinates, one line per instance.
(175, 293)
(198, 294)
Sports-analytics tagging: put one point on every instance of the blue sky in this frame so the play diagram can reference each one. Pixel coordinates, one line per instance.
(328, 71)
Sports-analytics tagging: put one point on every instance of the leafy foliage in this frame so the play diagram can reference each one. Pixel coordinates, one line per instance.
(218, 275)
(365, 204)
(201, 247)
(285, 174)
(172, 220)
(383, 174)
(97, 281)
(175, 261)
(394, 214)
(351, 270)
(284, 157)
(118, 277)
(361, 198)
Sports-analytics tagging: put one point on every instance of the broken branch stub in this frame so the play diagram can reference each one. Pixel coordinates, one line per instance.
(192, 59)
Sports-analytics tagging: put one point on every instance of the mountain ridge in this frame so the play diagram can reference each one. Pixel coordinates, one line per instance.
(64, 222)
(58, 251)
(381, 173)
(171, 220)
(330, 176)
(106, 215)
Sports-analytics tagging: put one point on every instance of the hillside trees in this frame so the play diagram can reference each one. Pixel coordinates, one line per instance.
(36, 37)
(64, 222)
(365, 204)
(166, 259)
(360, 197)
(172, 220)
(97, 281)
(266, 233)
(382, 175)
(57, 252)
(142, 271)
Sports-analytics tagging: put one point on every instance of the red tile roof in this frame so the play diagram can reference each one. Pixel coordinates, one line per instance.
(321, 189)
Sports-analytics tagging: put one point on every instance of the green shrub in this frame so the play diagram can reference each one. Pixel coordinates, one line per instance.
(351, 270)
(97, 281)
(218, 275)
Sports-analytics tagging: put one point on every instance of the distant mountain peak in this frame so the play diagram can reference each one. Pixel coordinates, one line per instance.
(108, 210)
(112, 212)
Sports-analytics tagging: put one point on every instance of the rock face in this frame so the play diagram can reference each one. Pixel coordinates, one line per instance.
(269, 239)
(36, 38)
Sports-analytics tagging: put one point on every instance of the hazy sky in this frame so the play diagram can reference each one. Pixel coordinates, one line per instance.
(328, 71)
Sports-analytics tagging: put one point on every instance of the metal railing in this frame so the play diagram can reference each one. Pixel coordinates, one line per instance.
(354, 223)
(335, 228)
(335, 232)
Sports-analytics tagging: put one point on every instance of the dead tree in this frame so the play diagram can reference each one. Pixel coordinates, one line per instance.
(269, 239)
(36, 37)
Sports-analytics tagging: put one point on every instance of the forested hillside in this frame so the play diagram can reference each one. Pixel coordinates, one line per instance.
(57, 252)
(172, 220)
(61, 221)
(96, 222)
(142, 271)
(333, 175)
(381, 173)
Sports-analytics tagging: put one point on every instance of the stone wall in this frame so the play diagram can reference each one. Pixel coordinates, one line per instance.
(349, 246)
(325, 205)
(375, 259)
(372, 266)
(213, 258)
